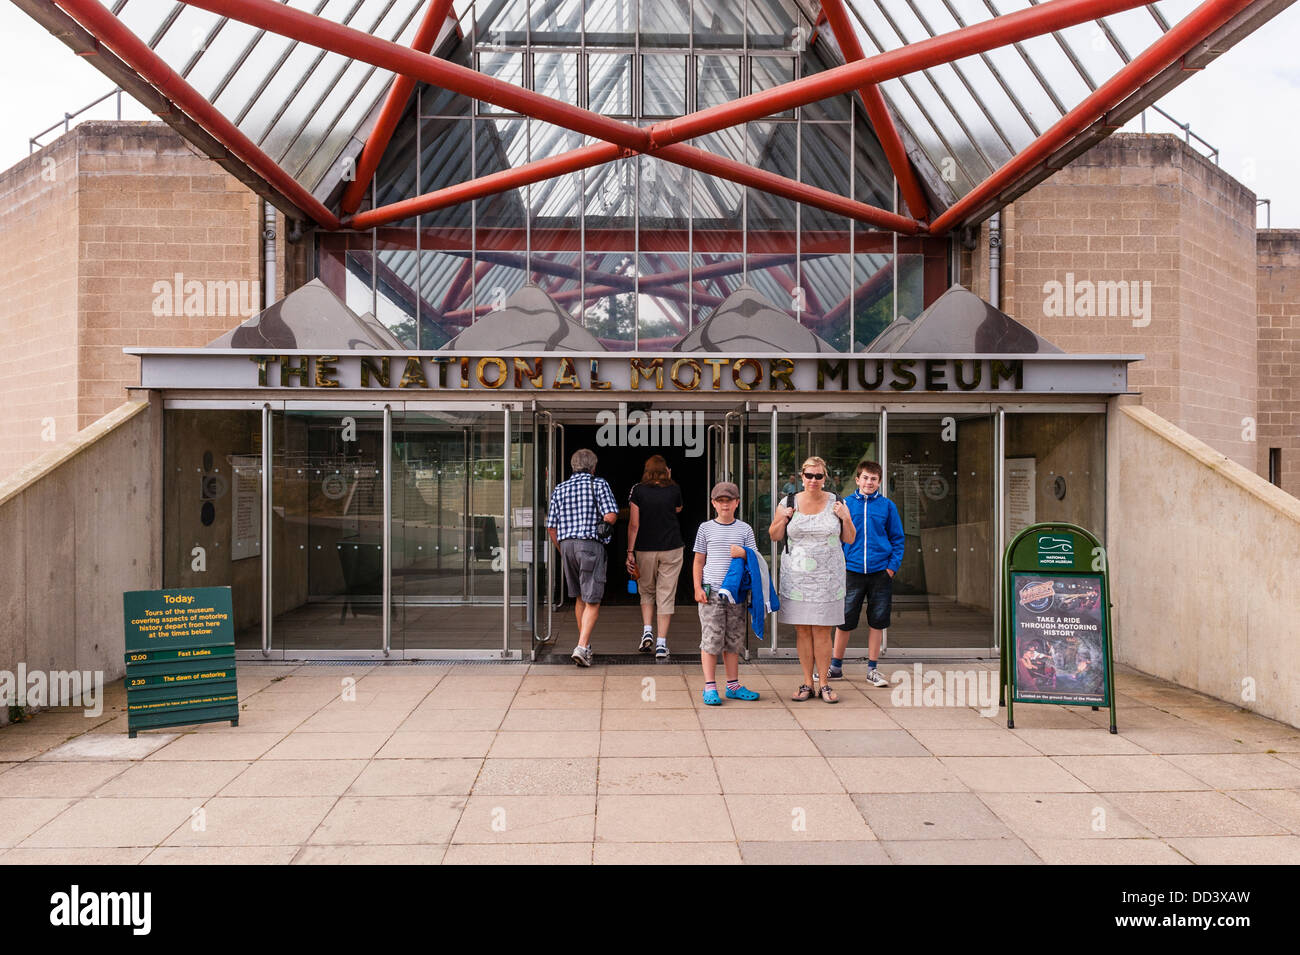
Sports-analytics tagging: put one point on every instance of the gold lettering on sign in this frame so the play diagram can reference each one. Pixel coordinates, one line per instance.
(696, 374)
(781, 369)
(442, 364)
(1013, 371)
(413, 376)
(464, 372)
(325, 371)
(642, 369)
(289, 370)
(383, 374)
(567, 377)
(959, 375)
(737, 373)
(878, 379)
(261, 362)
(533, 373)
(906, 378)
(500, 378)
(596, 383)
(717, 365)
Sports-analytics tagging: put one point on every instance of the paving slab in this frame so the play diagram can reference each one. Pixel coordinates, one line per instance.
(760, 743)
(1106, 852)
(520, 853)
(1240, 770)
(1019, 773)
(1242, 850)
(911, 816)
(867, 743)
(236, 745)
(653, 743)
(129, 856)
(299, 745)
(976, 742)
(51, 779)
(1174, 814)
(221, 855)
(655, 775)
(109, 822)
(497, 819)
(371, 855)
(194, 779)
(252, 821)
(1066, 816)
(296, 777)
(806, 817)
(1092, 741)
(421, 745)
(546, 744)
(366, 820)
(663, 853)
(961, 852)
(416, 777)
(550, 721)
(536, 777)
(620, 720)
(20, 817)
(895, 774)
(814, 853)
(104, 746)
(776, 774)
(1129, 773)
(662, 818)
(1281, 806)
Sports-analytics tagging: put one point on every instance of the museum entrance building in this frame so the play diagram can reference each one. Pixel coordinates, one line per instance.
(363, 499)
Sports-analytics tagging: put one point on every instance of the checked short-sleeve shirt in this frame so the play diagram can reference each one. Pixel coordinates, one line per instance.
(578, 504)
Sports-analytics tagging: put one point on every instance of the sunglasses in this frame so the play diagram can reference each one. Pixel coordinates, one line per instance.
(813, 477)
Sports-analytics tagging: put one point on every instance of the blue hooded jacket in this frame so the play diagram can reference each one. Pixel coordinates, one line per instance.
(748, 575)
(879, 534)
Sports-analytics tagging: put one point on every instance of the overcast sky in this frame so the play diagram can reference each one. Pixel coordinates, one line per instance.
(1247, 103)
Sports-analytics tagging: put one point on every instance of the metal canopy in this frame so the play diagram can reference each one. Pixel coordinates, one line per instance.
(1010, 90)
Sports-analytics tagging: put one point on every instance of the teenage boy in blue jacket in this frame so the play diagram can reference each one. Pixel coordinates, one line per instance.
(871, 562)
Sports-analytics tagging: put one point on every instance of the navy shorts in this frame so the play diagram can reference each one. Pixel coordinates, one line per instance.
(877, 590)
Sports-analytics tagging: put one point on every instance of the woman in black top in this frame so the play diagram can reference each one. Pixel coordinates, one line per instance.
(654, 550)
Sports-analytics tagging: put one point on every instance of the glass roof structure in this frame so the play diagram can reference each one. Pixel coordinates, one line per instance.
(310, 110)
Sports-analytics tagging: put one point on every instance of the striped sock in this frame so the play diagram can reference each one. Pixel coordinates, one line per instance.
(733, 685)
(711, 685)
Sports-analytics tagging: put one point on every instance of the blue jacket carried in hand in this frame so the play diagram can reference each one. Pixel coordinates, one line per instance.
(739, 582)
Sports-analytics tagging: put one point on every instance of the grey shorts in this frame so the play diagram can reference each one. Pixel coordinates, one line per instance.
(722, 626)
(584, 569)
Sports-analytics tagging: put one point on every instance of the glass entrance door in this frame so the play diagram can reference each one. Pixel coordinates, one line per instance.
(940, 474)
(450, 478)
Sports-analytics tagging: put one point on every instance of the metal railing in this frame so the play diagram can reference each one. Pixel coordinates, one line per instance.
(1188, 135)
(33, 143)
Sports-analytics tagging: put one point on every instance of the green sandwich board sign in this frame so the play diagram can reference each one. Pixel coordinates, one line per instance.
(1056, 633)
(180, 658)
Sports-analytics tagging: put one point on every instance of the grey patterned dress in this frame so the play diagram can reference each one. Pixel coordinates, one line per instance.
(812, 570)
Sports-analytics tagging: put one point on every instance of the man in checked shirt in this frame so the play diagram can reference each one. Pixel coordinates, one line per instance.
(577, 508)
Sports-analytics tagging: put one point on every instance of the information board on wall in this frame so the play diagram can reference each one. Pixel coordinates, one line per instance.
(180, 657)
(1022, 475)
(246, 506)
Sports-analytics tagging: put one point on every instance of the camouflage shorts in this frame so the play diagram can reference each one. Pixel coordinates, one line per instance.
(722, 626)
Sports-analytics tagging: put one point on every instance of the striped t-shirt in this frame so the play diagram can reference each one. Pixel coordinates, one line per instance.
(714, 540)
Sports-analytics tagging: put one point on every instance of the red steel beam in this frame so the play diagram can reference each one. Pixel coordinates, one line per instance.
(391, 112)
(131, 50)
(878, 112)
(1185, 34)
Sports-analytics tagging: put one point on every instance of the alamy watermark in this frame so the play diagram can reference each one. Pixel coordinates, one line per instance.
(1087, 299)
(651, 429)
(192, 297)
(931, 688)
(41, 688)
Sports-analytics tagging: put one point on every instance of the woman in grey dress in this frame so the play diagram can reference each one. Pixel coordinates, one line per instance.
(812, 572)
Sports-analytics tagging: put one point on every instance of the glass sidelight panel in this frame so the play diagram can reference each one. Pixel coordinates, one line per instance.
(212, 509)
(449, 525)
(327, 524)
(1055, 471)
(941, 477)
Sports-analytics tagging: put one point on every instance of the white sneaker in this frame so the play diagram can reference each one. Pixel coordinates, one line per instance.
(661, 651)
(581, 656)
(647, 641)
(876, 678)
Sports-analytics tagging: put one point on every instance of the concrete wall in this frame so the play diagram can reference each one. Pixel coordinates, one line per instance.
(1278, 298)
(1203, 557)
(121, 207)
(80, 526)
(1146, 209)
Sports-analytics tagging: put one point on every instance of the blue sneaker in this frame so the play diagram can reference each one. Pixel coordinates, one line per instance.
(834, 673)
(711, 697)
(741, 693)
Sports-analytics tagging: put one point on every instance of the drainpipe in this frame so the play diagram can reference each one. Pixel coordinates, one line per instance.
(268, 254)
(995, 260)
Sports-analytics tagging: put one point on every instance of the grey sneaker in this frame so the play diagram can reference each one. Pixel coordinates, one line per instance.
(661, 651)
(876, 678)
(834, 673)
(581, 656)
(647, 642)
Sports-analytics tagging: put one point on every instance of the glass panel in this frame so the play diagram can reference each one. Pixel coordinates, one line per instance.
(327, 557)
(609, 312)
(717, 80)
(613, 22)
(556, 75)
(609, 84)
(663, 85)
(664, 23)
(772, 25)
(719, 23)
(507, 67)
(448, 530)
(212, 507)
(765, 72)
(500, 23)
(1056, 471)
(940, 476)
(873, 297)
(557, 22)
(557, 273)
(714, 277)
(444, 287)
(663, 312)
(824, 280)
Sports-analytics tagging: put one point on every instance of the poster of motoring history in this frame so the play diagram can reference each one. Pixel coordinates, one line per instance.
(1059, 639)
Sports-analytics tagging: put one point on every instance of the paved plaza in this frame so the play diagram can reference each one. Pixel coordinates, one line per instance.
(472, 763)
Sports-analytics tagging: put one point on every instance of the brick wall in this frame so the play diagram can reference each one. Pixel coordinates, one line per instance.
(131, 205)
(38, 294)
(1150, 210)
(1278, 296)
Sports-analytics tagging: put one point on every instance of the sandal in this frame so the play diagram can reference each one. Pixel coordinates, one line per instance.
(804, 692)
(828, 694)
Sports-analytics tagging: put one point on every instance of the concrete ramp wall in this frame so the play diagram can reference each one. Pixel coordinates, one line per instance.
(1205, 567)
(78, 526)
